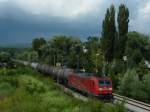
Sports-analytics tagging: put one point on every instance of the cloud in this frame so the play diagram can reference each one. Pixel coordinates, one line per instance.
(22, 20)
(142, 21)
(59, 8)
(144, 12)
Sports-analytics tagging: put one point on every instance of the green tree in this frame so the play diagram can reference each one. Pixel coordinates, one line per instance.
(136, 87)
(112, 31)
(37, 43)
(92, 45)
(5, 57)
(146, 87)
(62, 49)
(137, 49)
(97, 59)
(27, 55)
(115, 71)
(142, 69)
(126, 82)
(33, 56)
(123, 21)
(108, 34)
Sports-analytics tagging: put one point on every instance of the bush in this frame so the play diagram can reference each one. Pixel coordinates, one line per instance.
(25, 71)
(146, 87)
(4, 57)
(132, 86)
(6, 89)
(136, 88)
(126, 82)
(96, 106)
(21, 101)
(8, 76)
(7, 72)
(118, 107)
(32, 85)
(115, 71)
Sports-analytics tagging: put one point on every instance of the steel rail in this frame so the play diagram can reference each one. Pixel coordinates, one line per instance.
(132, 102)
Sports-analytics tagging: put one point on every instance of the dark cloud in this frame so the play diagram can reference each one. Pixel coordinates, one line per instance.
(11, 29)
(18, 26)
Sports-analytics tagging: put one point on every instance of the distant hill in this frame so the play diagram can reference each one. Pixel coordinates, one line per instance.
(16, 45)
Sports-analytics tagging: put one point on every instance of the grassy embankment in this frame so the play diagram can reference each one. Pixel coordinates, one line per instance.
(25, 90)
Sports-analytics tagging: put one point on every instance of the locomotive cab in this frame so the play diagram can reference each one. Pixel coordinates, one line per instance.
(105, 88)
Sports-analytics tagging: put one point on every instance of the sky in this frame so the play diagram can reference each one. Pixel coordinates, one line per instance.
(23, 20)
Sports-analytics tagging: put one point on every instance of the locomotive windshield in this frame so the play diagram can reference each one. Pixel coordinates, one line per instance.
(104, 83)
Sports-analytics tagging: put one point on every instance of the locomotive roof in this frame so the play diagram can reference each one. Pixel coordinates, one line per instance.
(80, 73)
(104, 78)
(86, 74)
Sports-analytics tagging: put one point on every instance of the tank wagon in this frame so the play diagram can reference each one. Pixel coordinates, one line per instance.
(59, 74)
(86, 82)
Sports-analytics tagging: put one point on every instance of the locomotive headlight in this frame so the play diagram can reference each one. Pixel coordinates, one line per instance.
(100, 89)
(110, 89)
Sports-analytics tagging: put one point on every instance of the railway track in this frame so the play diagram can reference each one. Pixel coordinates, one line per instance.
(132, 105)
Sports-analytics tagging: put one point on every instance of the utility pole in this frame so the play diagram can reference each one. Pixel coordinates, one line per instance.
(125, 61)
(61, 60)
(54, 60)
(104, 66)
(85, 52)
(78, 62)
(97, 62)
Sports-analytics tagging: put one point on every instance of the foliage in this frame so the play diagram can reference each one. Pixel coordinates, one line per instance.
(31, 56)
(32, 85)
(4, 57)
(8, 83)
(37, 43)
(142, 69)
(71, 52)
(115, 71)
(108, 34)
(119, 107)
(8, 77)
(59, 49)
(146, 87)
(6, 89)
(93, 55)
(137, 49)
(131, 85)
(97, 59)
(126, 82)
(113, 45)
(136, 87)
(123, 21)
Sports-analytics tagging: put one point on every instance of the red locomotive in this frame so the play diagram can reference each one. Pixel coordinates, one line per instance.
(97, 86)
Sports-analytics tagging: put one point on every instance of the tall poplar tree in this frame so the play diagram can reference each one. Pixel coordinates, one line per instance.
(108, 34)
(112, 32)
(123, 21)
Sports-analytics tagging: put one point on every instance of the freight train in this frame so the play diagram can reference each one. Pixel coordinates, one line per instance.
(100, 87)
